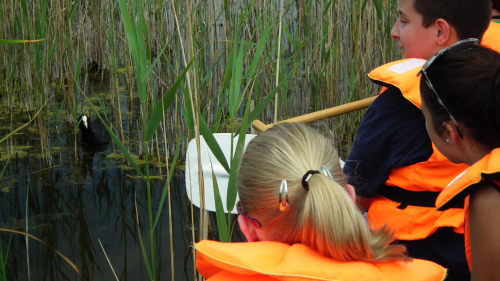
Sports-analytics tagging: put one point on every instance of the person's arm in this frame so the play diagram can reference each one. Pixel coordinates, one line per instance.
(392, 134)
(365, 164)
(484, 225)
(363, 203)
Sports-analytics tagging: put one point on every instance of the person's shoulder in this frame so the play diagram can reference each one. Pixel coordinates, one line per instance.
(486, 194)
(392, 100)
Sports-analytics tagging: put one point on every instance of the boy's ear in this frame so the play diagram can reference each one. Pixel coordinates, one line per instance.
(445, 33)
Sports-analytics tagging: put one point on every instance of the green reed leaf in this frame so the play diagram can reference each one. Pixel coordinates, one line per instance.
(134, 44)
(169, 178)
(3, 276)
(15, 41)
(212, 144)
(157, 113)
(262, 105)
(235, 88)
(187, 108)
(187, 111)
(215, 64)
(142, 38)
(73, 11)
(224, 234)
(259, 50)
(232, 190)
(148, 71)
(141, 241)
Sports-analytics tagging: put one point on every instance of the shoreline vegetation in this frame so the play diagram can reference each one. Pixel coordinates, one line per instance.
(189, 69)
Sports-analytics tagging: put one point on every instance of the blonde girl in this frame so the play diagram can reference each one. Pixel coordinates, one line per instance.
(296, 210)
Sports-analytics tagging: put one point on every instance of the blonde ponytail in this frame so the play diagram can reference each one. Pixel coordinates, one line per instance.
(324, 218)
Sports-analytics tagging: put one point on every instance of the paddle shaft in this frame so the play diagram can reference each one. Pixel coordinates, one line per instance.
(319, 115)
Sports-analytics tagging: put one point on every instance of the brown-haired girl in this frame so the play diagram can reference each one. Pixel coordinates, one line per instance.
(460, 91)
(300, 220)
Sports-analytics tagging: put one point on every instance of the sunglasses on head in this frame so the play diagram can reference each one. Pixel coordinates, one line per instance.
(255, 222)
(429, 84)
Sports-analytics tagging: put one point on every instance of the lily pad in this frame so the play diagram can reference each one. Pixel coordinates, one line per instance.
(115, 156)
(125, 167)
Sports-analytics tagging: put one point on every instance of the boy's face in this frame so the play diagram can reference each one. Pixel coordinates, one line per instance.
(414, 39)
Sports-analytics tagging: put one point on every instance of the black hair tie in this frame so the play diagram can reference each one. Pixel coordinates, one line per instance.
(307, 177)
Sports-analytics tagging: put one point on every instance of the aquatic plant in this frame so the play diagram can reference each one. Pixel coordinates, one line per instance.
(196, 68)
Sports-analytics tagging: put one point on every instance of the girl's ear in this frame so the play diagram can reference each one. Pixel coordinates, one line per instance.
(248, 229)
(351, 192)
(451, 135)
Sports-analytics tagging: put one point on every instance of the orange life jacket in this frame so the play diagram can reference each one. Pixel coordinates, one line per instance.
(459, 189)
(491, 37)
(413, 221)
(271, 261)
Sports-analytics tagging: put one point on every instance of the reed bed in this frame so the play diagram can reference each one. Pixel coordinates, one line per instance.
(219, 56)
(88, 36)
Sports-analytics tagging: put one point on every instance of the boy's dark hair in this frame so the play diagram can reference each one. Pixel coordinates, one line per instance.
(470, 18)
(495, 4)
(467, 80)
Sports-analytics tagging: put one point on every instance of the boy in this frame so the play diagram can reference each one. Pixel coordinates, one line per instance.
(392, 161)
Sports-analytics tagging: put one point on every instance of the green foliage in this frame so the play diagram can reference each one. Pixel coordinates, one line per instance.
(327, 48)
(166, 188)
(3, 259)
(224, 234)
(212, 144)
(158, 112)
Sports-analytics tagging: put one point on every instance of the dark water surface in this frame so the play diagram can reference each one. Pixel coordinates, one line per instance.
(86, 195)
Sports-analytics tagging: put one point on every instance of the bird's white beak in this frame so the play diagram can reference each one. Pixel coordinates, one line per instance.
(84, 120)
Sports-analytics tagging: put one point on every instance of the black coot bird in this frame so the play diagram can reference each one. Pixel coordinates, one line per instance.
(91, 133)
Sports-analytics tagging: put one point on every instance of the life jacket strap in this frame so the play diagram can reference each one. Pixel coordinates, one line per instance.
(411, 198)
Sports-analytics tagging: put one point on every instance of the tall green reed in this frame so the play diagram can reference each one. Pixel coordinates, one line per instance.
(3, 275)
(233, 57)
(137, 32)
(357, 39)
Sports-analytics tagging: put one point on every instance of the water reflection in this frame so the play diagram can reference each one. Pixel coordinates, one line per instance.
(83, 199)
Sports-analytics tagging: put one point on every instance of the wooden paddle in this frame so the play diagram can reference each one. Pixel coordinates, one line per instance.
(211, 165)
(319, 115)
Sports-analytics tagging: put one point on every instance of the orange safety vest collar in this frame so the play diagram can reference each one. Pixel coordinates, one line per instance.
(460, 188)
(269, 261)
(401, 74)
(413, 221)
(491, 37)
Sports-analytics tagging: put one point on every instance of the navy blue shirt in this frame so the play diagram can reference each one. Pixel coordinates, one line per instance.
(392, 134)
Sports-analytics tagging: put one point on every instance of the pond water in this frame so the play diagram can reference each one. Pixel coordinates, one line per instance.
(86, 197)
